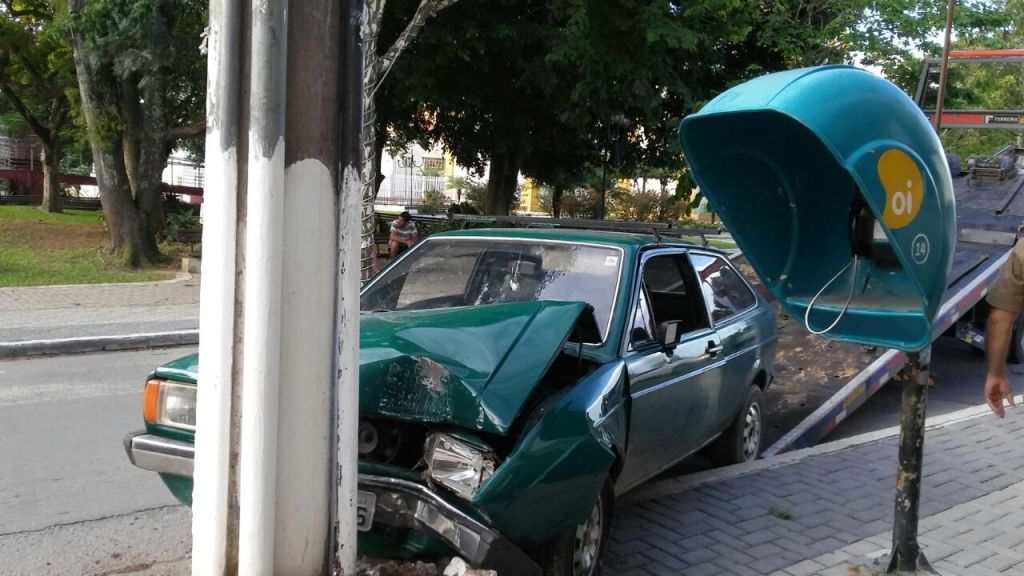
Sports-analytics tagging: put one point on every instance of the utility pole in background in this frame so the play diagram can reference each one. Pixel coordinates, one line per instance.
(263, 479)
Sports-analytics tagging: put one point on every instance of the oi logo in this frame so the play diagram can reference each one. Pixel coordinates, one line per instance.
(904, 188)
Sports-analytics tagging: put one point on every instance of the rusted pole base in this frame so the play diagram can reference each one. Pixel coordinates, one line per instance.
(907, 556)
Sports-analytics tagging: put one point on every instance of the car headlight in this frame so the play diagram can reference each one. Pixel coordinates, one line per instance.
(170, 404)
(458, 465)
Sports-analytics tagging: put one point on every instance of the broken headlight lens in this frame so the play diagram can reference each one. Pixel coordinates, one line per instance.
(457, 465)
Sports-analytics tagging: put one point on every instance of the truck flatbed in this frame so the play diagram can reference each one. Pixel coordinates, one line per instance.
(818, 382)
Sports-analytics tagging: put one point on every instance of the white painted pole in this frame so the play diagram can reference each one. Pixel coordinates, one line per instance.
(346, 473)
(262, 312)
(217, 294)
(349, 232)
(310, 268)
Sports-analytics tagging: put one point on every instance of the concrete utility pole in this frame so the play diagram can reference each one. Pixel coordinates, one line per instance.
(262, 492)
(346, 385)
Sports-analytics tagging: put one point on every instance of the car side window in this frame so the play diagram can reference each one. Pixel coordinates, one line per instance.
(669, 293)
(641, 330)
(725, 293)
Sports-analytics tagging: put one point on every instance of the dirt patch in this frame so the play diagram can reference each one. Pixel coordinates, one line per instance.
(809, 369)
(53, 235)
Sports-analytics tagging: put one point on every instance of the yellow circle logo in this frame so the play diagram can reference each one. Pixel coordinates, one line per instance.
(904, 188)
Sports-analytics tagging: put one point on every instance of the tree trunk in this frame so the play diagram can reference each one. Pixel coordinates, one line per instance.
(49, 135)
(152, 143)
(130, 112)
(371, 150)
(375, 68)
(501, 183)
(51, 177)
(99, 104)
(151, 161)
(556, 201)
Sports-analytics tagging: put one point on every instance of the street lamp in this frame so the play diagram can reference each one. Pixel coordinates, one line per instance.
(616, 133)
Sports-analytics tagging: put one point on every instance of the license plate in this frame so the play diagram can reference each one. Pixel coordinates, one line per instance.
(366, 504)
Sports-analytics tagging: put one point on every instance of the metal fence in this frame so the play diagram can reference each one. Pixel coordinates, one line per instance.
(402, 189)
(18, 154)
(180, 172)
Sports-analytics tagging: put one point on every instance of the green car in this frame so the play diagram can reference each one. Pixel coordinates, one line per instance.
(513, 382)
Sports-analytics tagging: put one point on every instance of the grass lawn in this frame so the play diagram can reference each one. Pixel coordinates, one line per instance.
(38, 248)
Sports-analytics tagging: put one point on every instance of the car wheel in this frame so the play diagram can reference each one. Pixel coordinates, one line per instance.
(741, 441)
(578, 551)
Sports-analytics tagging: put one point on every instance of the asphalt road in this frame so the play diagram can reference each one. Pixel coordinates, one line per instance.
(71, 503)
(62, 420)
(958, 376)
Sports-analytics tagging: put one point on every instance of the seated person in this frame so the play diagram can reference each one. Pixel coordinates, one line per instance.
(403, 235)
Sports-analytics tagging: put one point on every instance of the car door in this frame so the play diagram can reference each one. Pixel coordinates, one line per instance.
(730, 303)
(669, 390)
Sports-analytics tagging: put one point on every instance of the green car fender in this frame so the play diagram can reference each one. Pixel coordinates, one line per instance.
(570, 448)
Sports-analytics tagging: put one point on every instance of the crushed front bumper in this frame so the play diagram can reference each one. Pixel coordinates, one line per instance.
(399, 503)
(406, 504)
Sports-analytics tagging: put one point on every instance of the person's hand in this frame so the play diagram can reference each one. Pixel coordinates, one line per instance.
(997, 387)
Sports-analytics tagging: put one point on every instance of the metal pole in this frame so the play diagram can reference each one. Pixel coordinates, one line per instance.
(945, 65)
(906, 552)
(346, 387)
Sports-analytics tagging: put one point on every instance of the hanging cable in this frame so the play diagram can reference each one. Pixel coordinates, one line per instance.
(853, 285)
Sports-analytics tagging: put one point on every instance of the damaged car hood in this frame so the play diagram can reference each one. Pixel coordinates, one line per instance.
(474, 367)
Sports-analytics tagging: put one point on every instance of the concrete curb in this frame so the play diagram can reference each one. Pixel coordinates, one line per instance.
(179, 277)
(82, 345)
(689, 482)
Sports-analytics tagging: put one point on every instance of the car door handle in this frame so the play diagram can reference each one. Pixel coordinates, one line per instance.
(713, 350)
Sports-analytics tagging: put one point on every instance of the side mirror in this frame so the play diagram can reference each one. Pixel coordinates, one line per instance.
(668, 334)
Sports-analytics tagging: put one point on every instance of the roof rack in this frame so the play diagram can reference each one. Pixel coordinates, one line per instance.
(657, 229)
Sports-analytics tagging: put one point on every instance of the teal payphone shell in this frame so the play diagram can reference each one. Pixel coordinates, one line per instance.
(836, 188)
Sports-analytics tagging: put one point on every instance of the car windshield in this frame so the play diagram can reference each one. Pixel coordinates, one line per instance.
(446, 272)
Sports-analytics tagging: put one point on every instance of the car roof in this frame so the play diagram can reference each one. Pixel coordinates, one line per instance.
(623, 240)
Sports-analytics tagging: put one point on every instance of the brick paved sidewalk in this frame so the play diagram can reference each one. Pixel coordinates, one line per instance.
(45, 312)
(831, 513)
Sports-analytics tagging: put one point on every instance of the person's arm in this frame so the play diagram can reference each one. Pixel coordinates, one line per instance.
(998, 330)
(1006, 299)
(393, 234)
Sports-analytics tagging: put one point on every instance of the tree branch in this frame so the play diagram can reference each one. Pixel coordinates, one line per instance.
(425, 11)
(187, 131)
(38, 78)
(42, 131)
(18, 13)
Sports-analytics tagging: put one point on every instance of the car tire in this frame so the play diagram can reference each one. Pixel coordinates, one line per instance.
(578, 552)
(955, 164)
(741, 441)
